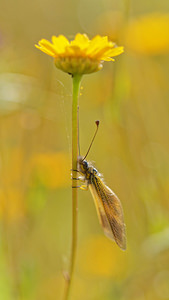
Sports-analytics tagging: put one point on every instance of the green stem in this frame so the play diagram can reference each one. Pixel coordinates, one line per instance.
(75, 109)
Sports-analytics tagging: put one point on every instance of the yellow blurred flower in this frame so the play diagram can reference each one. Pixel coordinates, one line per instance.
(82, 55)
(13, 167)
(12, 206)
(101, 257)
(148, 34)
(52, 169)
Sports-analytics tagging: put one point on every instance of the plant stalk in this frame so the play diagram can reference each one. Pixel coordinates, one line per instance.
(75, 116)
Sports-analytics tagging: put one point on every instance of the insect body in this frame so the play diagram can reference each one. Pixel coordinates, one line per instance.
(108, 206)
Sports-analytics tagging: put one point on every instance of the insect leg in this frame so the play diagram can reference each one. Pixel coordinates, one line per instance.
(76, 187)
(75, 170)
(84, 187)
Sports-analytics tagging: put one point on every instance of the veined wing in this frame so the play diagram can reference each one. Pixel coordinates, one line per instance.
(109, 211)
(101, 213)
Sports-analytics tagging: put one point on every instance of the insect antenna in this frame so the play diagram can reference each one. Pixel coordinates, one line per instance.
(97, 124)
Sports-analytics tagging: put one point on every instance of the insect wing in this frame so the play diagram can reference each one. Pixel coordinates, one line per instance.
(109, 210)
(101, 213)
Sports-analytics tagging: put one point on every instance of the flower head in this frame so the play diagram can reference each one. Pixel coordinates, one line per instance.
(148, 34)
(81, 55)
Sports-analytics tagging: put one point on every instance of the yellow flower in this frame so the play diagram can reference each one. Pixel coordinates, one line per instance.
(149, 34)
(12, 206)
(52, 169)
(82, 55)
(100, 257)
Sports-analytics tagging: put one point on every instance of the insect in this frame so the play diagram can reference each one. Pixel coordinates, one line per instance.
(108, 206)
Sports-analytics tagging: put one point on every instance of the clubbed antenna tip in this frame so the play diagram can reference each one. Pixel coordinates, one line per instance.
(97, 123)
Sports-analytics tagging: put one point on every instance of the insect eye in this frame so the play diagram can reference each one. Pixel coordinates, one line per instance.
(85, 164)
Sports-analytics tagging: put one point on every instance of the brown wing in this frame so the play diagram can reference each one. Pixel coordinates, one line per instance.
(101, 213)
(109, 210)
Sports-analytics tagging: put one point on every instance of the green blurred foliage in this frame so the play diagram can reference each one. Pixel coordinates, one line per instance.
(130, 98)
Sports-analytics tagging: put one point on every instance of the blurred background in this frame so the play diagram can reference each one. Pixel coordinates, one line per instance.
(130, 98)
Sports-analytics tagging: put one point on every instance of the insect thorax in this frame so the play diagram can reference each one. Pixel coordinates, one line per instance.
(86, 169)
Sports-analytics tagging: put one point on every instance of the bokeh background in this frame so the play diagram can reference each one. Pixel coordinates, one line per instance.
(130, 98)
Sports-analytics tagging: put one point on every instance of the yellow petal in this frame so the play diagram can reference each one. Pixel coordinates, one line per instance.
(48, 46)
(99, 54)
(114, 52)
(81, 40)
(97, 43)
(60, 43)
(108, 59)
(74, 50)
(45, 50)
